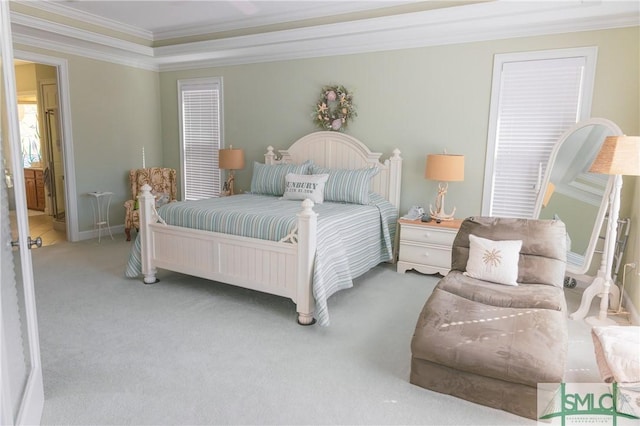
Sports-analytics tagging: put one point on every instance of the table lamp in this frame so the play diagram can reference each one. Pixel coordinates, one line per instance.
(444, 168)
(230, 159)
(619, 155)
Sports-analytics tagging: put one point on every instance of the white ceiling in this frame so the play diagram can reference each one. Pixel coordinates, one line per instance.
(170, 18)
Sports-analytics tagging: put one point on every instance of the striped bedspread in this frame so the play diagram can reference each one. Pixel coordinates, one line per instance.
(351, 238)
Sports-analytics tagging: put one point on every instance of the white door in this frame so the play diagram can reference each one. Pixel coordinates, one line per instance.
(21, 390)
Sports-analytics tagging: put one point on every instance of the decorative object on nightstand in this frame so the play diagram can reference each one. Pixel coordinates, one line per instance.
(426, 246)
(444, 168)
(230, 159)
(619, 155)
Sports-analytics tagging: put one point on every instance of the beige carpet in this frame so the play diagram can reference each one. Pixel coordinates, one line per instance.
(190, 351)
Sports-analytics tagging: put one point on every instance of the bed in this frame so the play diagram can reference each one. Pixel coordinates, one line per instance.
(295, 249)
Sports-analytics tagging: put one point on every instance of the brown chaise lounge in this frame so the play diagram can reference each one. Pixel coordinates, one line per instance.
(492, 343)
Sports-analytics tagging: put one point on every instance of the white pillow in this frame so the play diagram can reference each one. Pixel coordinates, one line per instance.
(495, 261)
(301, 187)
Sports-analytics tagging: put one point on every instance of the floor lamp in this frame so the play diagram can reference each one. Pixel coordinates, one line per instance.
(230, 159)
(619, 155)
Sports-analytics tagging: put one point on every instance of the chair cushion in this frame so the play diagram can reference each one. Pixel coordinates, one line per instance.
(520, 345)
(543, 253)
(522, 296)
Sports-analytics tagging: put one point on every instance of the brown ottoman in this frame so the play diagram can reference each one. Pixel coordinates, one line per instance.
(491, 343)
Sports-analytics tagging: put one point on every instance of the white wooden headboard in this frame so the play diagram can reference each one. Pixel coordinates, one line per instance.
(339, 151)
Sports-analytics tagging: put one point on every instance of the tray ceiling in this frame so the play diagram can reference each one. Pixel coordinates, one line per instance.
(186, 34)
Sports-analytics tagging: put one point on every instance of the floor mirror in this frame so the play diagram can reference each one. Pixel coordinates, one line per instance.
(580, 199)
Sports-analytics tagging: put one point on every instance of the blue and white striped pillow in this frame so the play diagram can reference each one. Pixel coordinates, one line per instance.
(268, 179)
(345, 185)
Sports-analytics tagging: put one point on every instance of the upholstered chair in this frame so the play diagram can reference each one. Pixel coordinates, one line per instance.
(163, 185)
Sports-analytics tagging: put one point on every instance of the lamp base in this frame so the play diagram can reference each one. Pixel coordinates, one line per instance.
(439, 214)
(227, 188)
(595, 321)
(440, 218)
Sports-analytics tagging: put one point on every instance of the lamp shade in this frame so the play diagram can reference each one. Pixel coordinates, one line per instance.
(619, 155)
(231, 159)
(548, 193)
(444, 167)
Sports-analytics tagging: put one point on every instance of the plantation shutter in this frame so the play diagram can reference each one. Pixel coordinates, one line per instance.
(538, 101)
(201, 137)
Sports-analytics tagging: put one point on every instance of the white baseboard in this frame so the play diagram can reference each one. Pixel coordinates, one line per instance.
(634, 318)
(104, 232)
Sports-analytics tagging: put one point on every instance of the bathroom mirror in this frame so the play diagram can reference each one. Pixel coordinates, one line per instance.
(572, 194)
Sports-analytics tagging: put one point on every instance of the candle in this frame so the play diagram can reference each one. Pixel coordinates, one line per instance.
(143, 162)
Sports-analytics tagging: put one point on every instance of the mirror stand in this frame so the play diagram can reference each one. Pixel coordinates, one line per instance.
(603, 285)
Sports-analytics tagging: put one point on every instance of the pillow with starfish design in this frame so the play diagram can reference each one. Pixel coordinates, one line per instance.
(494, 261)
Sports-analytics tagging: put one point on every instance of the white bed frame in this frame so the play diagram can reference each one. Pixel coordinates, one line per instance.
(283, 268)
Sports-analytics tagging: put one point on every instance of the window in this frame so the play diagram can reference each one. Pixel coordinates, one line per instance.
(29, 135)
(200, 136)
(536, 97)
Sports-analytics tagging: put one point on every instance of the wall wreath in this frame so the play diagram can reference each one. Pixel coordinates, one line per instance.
(334, 109)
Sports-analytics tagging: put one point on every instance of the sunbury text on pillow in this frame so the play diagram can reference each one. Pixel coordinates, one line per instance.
(303, 187)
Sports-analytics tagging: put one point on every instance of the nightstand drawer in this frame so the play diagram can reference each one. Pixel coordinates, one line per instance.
(426, 255)
(427, 235)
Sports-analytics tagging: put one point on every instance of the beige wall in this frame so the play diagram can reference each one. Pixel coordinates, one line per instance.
(26, 78)
(115, 112)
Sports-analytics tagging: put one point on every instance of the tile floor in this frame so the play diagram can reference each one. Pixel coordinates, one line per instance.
(41, 225)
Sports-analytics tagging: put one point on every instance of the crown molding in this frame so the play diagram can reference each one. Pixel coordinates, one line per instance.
(47, 28)
(87, 51)
(322, 10)
(326, 9)
(464, 24)
(59, 8)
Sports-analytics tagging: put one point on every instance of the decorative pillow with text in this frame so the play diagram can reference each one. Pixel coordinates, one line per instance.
(301, 187)
(494, 261)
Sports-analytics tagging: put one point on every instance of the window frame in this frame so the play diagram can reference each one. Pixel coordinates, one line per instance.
(185, 85)
(590, 58)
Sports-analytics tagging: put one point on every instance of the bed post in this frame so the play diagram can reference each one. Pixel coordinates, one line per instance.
(395, 176)
(307, 224)
(270, 156)
(146, 201)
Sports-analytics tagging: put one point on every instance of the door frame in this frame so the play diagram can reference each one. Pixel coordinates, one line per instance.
(64, 99)
(51, 206)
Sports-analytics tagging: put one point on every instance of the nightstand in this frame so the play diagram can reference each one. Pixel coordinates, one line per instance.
(426, 246)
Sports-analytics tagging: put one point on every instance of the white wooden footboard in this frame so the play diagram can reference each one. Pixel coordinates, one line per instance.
(282, 268)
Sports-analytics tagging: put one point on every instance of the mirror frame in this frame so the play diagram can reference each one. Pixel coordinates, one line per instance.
(604, 205)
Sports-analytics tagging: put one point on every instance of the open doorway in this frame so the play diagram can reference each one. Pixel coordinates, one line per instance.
(42, 150)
